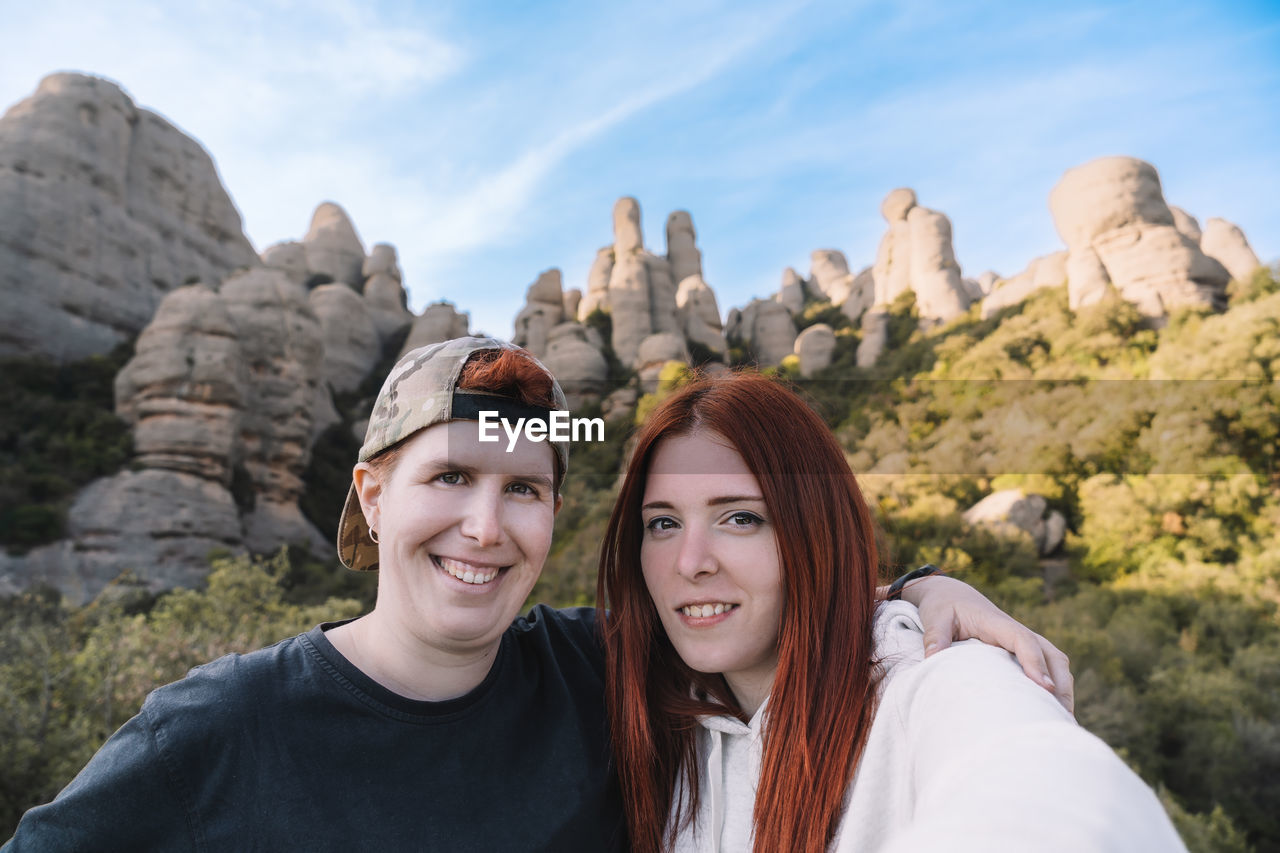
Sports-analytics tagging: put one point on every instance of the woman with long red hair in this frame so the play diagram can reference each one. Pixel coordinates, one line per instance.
(761, 698)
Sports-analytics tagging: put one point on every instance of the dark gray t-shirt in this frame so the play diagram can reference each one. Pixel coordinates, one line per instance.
(293, 748)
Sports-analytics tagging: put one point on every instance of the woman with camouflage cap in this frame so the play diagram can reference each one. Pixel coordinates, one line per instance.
(435, 720)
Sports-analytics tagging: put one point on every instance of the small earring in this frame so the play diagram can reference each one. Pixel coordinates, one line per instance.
(373, 534)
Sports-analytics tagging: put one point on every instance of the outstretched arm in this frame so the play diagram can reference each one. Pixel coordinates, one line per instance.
(953, 610)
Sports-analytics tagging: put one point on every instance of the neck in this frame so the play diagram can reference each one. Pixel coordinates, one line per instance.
(750, 689)
(407, 666)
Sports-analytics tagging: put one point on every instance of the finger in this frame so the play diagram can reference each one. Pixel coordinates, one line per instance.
(938, 637)
(1031, 656)
(1060, 670)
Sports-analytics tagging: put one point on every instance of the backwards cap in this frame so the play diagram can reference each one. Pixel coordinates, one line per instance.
(421, 391)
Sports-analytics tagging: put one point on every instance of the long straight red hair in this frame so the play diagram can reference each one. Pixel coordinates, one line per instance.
(823, 696)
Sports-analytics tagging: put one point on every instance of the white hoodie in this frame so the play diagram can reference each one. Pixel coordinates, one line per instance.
(965, 754)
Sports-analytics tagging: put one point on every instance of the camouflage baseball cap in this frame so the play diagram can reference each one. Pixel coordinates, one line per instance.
(420, 392)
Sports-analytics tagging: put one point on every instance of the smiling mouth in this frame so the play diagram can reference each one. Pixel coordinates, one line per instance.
(467, 572)
(702, 611)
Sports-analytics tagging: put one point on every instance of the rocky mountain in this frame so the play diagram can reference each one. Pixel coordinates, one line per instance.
(115, 225)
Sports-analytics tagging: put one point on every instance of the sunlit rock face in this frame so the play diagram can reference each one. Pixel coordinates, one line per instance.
(104, 209)
(1112, 212)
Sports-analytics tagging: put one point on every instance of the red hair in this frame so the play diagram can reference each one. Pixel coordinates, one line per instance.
(823, 696)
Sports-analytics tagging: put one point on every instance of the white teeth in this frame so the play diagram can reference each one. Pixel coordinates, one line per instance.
(466, 573)
(701, 611)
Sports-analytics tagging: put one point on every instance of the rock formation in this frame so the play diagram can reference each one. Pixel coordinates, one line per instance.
(916, 254)
(700, 315)
(1225, 243)
(333, 249)
(1047, 271)
(438, 322)
(1012, 510)
(543, 311)
(1111, 213)
(791, 294)
(682, 249)
(641, 290)
(352, 345)
(104, 209)
(766, 328)
(815, 347)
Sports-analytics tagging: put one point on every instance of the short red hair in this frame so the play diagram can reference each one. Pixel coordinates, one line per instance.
(823, 696)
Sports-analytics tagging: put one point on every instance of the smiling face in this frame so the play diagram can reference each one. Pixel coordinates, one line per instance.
(463, 531)
(710, 561)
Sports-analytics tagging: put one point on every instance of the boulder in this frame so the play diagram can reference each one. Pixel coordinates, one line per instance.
(875, 337)
(580, 367)
(334, 250)
(185, 388)
(1115, 206)
(861, 296)
(1225, 243)
(1046, 271)
(815, 347)
(381, 261)
(655, 352)
(543, 310)
(682, 249)
(627, 236)
(352, 345)
(791, 293)
(987, 281)
(548, 287)
(829, 274)
(700, 314)
(768, 329)
(439, 322)
(572, 299)
(897, 204)
(892, 268)
(158, 524)
(104, 209)
(386, 300)
(597, 295)
(935, 275)
(1087, 281)
(1185, 223)
(290, 257)
(1012, 510)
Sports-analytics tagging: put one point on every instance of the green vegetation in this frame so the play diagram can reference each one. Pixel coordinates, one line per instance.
(58, 431)
(69, 677)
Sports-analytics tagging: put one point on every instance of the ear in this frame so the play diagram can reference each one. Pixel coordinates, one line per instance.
(559, 503)
(368, 490)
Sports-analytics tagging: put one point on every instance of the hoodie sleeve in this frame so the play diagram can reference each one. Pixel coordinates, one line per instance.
(998, 764)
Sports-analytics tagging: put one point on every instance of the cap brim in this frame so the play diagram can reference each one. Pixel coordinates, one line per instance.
(355, 549)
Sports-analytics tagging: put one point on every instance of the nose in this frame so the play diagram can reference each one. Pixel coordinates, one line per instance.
(482, 520)
(696, 559)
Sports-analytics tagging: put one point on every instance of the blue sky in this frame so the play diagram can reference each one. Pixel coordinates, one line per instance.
(489, 141)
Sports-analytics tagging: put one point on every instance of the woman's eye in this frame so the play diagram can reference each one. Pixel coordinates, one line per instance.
(745, 519)
(450, 478)
(523, 489)
(659, 524)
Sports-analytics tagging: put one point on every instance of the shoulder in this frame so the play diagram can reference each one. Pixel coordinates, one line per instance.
(216, 690)
(571, 631)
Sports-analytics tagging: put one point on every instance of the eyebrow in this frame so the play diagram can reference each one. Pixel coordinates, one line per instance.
(727, 499)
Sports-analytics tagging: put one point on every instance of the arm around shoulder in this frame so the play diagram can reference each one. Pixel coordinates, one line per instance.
(125, 799)
(999, 765)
